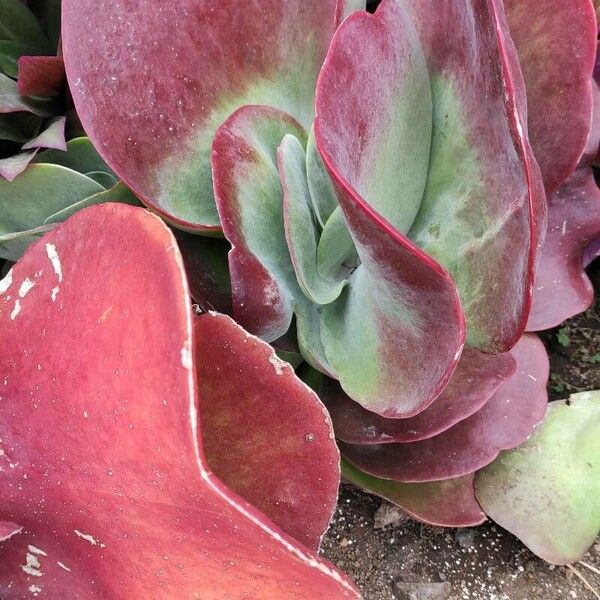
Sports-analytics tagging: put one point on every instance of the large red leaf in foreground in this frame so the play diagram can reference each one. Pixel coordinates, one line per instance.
(100, 461)
(266, 434)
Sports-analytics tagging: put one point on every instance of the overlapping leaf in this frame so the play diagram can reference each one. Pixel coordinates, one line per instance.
(104, 491)
(157, 137)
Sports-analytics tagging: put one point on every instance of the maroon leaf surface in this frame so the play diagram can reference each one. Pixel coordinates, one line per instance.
(472, 384)
(556, 43)
(447, 503)
(266, 435)
(41, 76)
(101, 463)
(155, 80)
(562, 288)
(503, 422)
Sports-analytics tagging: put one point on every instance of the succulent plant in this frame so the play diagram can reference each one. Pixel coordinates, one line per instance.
(33, 101)
(383, 182)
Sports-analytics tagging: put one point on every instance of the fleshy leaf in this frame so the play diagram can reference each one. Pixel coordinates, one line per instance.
(474, 198)
(503, 422)
(224, 56)
(556, 43)
(41, 76)
(266, 434)
(19, 24)
(101, 463)
(14, 165)
(300, 222)
(476, 378)
(8, 529)
(38, 192)
(547, 491)
(448, 503)
(80, 156)
(250, 201)
(19, 127)
(52, 137)
(562, 288)
(11, 101)
(346, 7)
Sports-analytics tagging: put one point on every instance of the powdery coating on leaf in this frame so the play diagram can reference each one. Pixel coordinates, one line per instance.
(448, 503)
(556, 43)
(472, 384)
(200, 61)
(562, 288)
(249, 199)
(265, 434)
(130, 475)
(547, 491)
(504, 422)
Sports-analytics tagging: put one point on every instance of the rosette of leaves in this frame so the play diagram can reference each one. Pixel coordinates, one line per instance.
(379, 191)
(33, 99)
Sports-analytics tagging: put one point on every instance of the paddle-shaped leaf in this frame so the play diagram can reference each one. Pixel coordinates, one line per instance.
(425, 130)
(503, 422)
(547, 491)
(101, 459)
(199, 61)
(473, 383)
(556, 43)
(448, 503)
(41, 76)
(562, 288)
(266, 434)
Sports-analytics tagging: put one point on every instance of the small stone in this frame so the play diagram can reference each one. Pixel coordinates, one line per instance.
(423, 591)
(465, 538)
(389, 514)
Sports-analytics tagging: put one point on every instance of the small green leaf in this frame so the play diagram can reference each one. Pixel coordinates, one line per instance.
(547, 491)
(563, 336)
(321, 189)
(19, 24)
(81, 156)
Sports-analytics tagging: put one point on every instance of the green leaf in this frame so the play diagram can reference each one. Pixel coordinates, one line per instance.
(81, 156)
(19, 24)
(547, 491)
(321, 189)
(37, 193)
(9, 57)
(19, 127)
(301, 228)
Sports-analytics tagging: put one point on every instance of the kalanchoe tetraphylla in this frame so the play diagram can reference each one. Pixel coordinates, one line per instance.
(32, 83)
(368, 301)
(104, 486)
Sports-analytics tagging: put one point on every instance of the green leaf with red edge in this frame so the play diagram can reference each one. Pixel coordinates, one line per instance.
(223, 56)
(556, 43)
(448, 503)
(250, 202)
(505, 421)
(547, 491)
(101, 457)
(476, 378)
(482, 211)
(266, 434)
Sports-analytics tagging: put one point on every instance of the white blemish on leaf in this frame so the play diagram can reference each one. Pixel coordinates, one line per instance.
(32, 565)
(63, 566)
(6, 282)
(88, 538)
(16, 310)
(9, 535)
(26, 287)
(35, 589)
(54, 293)
(186, 356)
(55, 260)
(277, 363)
(35, 550)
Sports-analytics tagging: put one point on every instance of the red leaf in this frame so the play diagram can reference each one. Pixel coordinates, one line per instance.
(41, 76)
(98, 425)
